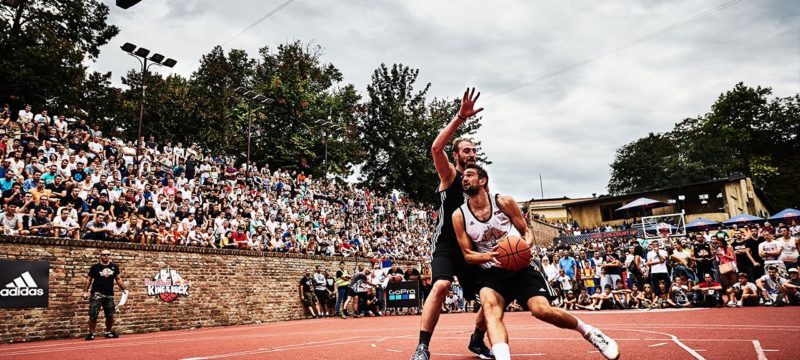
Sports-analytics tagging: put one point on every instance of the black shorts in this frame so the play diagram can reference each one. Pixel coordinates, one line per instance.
(520, 285)
(322, 296)
(448, 263)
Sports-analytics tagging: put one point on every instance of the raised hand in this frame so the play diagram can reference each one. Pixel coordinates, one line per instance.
(467, 109)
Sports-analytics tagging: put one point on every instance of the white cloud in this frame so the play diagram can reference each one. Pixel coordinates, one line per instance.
(566, 126)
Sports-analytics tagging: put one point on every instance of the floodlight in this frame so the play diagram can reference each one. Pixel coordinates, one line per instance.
(170, 63)
(157, 58)
(142, 52)
(128, 47)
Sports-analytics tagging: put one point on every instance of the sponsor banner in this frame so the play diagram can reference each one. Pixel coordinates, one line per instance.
(403, 294)
(24, 284)
(167, 284)
(574, 239)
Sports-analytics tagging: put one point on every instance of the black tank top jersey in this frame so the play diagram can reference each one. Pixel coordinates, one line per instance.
(444, 237)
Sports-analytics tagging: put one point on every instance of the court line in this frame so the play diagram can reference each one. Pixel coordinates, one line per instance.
(656, 345)
(676, 341)
(759, 350)
(292, 347)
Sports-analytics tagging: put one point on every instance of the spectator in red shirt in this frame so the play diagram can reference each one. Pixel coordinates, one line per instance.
(240, 237)
(708, 293)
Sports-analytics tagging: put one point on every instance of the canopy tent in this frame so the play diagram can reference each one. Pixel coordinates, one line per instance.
(642, 203)
(702, 224)
(787, 214)
(742, 219)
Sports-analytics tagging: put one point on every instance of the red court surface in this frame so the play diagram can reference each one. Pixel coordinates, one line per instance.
(758, 333)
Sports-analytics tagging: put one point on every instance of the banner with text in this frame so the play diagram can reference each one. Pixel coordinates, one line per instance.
(24, 284)
(403, 294)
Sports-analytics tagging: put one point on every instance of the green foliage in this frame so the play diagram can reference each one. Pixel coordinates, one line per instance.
(398, 129)
(43, 46)
(747, 131)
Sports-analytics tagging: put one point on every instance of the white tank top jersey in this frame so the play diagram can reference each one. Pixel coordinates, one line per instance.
(486, 234)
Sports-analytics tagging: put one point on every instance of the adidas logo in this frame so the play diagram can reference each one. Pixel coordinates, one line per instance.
(22, 286)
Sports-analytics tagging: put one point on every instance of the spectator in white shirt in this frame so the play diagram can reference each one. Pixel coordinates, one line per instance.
(118, 230)
(25, 115)
(64, 226)
(657, 261)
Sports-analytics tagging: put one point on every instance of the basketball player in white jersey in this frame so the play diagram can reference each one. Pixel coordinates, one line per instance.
(480, 224)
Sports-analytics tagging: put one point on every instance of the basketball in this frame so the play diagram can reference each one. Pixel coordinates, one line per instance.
(514, 253)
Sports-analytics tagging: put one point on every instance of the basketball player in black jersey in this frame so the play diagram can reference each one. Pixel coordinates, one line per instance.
(448, 260)
(479, 224)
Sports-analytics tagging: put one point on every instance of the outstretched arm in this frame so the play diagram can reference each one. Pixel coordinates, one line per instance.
(444, 168)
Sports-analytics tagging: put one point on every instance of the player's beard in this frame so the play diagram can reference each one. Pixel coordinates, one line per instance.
(464, 161)
(471, 190)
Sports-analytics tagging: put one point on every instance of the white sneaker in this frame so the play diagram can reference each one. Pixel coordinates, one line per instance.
(739, 303)
(731, 303)
(607, 346)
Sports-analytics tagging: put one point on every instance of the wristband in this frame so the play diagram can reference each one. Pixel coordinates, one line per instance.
(461, 117)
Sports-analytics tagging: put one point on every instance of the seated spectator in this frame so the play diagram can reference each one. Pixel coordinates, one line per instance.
(681, 290)
(66, 226)
(771, 286)
(792, 285)
(40, 224)
(603, 300)
(570, 301)
(708, 292)
(743, 293)
(118, 230)
(96, 229)
(11, 222)
(646, 297)
(584, 300)
(621, 295)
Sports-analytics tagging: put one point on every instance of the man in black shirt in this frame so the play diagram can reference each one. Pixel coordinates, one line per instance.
(307, 295)
(101, 279)
(147, 211)
(702, 256)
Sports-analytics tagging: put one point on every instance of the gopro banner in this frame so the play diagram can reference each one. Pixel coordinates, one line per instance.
(403, 294)
(24, 284)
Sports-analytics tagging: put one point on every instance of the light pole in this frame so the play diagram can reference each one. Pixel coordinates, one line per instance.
(251, 96)
(326, 134)
(157, 59)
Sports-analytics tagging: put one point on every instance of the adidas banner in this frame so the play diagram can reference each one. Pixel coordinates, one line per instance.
(403, 294)
(24, 284)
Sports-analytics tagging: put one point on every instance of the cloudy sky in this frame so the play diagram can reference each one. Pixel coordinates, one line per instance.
(564, 83)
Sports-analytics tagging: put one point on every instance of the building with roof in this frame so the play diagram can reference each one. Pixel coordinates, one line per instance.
(718, 199)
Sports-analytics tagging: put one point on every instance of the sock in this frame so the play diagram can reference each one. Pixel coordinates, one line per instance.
(478, 334)
(501, 351)
(583, 328)
(425, 337)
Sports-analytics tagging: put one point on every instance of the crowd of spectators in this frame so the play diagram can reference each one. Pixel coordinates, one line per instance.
(748, 266)
(64, 178)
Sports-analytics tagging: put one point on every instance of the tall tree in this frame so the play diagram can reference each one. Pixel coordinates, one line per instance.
(748, 131)
(305, 91)
(398, 129)
(43, 47)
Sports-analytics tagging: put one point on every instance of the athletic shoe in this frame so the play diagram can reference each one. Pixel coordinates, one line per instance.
(768, 303)
(89, 336)
(111, 335)
(343, 316)
(607, 346)
(478, 347)
(421, 353)
(380, 313)
(731, 303)
(739, 303)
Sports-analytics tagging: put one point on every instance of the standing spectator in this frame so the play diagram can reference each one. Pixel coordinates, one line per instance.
(307, 296)
(636, 275)
(702, 256)
(743, 293)
(789, 244)
(753, 242)
(744, 258)
(321, 291)
(657, 261)
(771, 250)
(707, 293)
(727, 263)
(342, 281)
(564, 282)
(101, 279)
(587, 276)
(356, 282)
(611, 268)
(330, 285)
(568, 264)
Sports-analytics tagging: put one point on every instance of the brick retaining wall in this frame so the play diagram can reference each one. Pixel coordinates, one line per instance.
(228, 287)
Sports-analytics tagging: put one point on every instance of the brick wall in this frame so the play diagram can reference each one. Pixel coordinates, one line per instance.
(228, 287)
(543, 233)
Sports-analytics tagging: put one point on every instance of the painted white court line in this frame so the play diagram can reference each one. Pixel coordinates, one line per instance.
(759, 350)
(676, 341)
(656, 345)
(278, 349)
